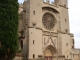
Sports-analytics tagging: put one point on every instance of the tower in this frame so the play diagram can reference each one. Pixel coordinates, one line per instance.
(61, 2)
(47, 33)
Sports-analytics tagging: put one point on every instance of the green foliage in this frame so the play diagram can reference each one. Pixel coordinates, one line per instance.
(19, 51)
(8, 27)
(41, 58)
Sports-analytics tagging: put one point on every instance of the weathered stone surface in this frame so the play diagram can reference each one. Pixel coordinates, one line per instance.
(53, 42)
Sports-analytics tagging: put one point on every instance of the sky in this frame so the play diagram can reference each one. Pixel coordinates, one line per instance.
(74, 19)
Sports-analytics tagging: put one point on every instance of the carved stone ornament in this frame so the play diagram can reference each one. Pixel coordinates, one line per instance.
(48, 41)
(48, 21)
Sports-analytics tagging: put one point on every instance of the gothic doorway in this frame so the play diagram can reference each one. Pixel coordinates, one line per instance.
(49, 52)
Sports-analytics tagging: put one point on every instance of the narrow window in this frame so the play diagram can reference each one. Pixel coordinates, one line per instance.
(33, 55)
(67, 56)
(65, 20)
(33, 41)
(21, 42)
(64, 5)
(72, 46)
(33, 12)
(66, 31)
(66, 44)
(34, 25)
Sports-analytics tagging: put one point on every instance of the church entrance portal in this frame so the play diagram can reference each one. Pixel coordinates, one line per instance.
(49, 53)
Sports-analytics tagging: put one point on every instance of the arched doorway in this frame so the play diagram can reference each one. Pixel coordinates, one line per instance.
(49, 52)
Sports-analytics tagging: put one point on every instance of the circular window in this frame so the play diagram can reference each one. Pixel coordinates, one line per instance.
(48, 21)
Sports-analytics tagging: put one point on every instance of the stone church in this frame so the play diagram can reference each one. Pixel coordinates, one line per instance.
(44, 32)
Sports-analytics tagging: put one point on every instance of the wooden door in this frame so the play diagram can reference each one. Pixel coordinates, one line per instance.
(48, 58)
(45, 58)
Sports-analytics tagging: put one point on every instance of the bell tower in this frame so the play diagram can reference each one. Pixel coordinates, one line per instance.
(34, 31)
(61, 2)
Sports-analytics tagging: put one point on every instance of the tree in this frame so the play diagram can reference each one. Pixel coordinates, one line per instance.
(8, 28)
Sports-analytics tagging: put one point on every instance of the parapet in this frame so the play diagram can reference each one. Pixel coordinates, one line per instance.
(62, 3)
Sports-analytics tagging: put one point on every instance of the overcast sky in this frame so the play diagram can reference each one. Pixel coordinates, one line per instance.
(74, 18)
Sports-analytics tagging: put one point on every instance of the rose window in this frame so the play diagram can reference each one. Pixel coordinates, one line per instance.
(48, 21)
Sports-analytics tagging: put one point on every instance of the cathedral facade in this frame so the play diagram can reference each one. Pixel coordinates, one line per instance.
(44, 31)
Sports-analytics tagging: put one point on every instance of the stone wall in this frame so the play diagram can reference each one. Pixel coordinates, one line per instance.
(18, 58)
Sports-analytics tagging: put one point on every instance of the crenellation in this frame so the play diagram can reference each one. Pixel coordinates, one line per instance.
(25, 0)
(47, 1)
(50, 2)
